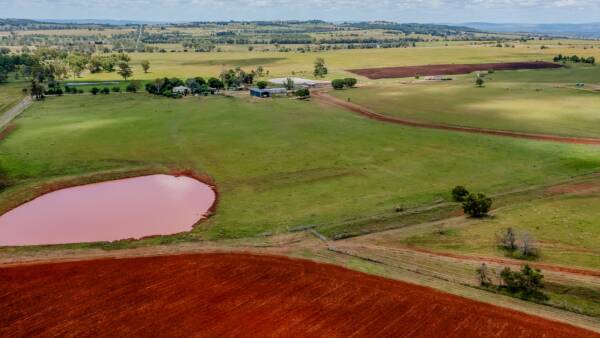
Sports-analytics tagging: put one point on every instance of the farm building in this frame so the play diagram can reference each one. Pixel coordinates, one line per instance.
(299, 82)
(267, 92)
(183, 90)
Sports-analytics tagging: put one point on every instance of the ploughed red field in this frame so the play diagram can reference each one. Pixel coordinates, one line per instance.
(217, 295)
(448, 69)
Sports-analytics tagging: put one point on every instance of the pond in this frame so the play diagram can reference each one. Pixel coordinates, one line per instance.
(108, 211)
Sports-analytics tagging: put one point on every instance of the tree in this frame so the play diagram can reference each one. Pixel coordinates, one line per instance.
(262, 84)
(338, 84)
(37, 89)
(213, 82)
(483, 275)
(508, 240)
(459, 193)
(528, 246)
(303, 93)
(526, 283)
(479, 82)
(477, 205)
(350, 82)
(145, 65)
(77, 63)
(320, 68)
(124, 70)
(133, 87)
(289, 84)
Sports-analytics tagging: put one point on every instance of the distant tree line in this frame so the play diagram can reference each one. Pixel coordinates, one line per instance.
(574, 58)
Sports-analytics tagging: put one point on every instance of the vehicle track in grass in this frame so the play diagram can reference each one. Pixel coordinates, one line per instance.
(326, 98)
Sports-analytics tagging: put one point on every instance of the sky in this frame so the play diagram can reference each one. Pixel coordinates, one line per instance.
(426, 11)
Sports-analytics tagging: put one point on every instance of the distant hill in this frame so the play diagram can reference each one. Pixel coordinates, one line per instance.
(101, 22)
(584, 30)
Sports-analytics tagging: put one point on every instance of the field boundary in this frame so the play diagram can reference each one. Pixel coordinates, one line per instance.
(14, 111)
(325, 97)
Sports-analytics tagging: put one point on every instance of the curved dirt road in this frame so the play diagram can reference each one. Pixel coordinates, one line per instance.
(226, 295)
(323, 96)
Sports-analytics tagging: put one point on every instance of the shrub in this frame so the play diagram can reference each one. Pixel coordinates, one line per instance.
(303, 92)
(94, 90)
(508, 240)
(350, 82)
(525, 283)
(105, 90)
(479, 82)
(338, 84)
(459, 193)
(262, 84)
(477, 205)
(58, 91)
(116, 89)
(131, 88)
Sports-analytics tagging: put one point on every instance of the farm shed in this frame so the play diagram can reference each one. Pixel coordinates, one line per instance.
(183, 90)
(267, 92)
(299, 82)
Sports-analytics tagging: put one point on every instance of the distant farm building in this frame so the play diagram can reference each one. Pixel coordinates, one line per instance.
(267, 92)
(183, 90)
(299, 82)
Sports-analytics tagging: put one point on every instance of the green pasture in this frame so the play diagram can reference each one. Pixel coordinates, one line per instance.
(565, 229)
(278, 163)
(537, 101)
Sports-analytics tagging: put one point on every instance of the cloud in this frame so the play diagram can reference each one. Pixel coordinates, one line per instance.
(336, 10)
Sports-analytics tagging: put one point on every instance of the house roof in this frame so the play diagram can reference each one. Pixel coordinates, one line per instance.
(269, 90)
(297, 81)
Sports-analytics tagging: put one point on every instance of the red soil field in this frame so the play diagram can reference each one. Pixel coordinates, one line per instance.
(449, 69)
(217, 295)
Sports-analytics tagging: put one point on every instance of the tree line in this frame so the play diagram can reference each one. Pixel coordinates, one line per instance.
(575, 59)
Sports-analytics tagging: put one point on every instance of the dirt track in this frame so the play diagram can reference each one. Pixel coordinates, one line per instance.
(447, 69)
(386, 118)
(241, 295)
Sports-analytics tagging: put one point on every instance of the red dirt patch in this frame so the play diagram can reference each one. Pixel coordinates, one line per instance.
(447, 69)
(573, 188)
(508, 261)
(220, 295)
(393, 119)
(9, 129)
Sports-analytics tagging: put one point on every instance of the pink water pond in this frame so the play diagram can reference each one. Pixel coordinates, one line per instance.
(127, 208)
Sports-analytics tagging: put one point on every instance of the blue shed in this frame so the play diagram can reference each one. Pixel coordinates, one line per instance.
(267, 92)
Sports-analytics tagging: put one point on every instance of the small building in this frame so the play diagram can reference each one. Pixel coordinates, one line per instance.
(183, 90)
(267, 92)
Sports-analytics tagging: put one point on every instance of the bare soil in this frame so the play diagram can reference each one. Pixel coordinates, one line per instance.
(223, 294)
(447, 69)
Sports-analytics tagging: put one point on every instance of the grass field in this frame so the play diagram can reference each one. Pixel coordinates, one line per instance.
(564, 226)
(278, 163)
(191, 64)
(10, 94)
(538, 101)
